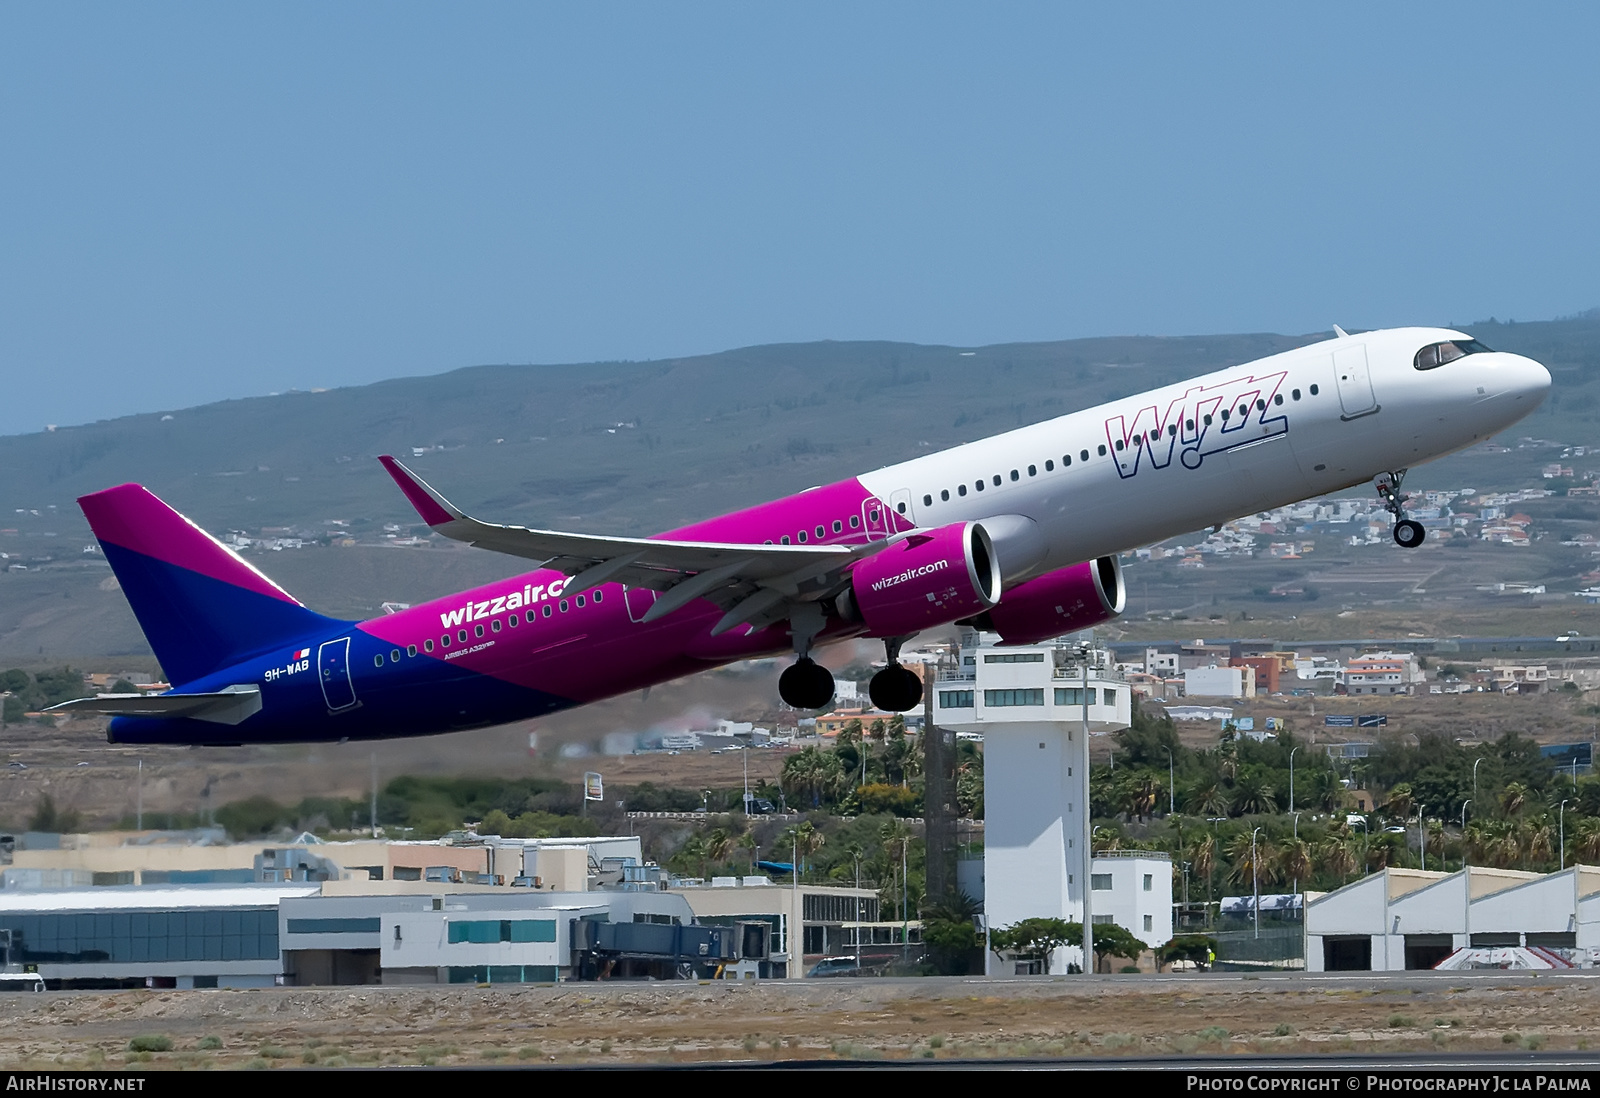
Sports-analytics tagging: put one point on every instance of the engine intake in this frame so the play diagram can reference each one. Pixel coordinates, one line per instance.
(930, 578)
(1064, 601)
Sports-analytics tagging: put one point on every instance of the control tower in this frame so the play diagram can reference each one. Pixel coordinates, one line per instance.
(1028, 703)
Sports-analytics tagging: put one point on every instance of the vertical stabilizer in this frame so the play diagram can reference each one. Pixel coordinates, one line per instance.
(201, 606)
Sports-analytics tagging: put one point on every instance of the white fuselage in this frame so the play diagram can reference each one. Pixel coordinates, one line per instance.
(1315, 420)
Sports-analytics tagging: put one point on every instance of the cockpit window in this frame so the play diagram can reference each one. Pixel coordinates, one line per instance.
(1437, 354)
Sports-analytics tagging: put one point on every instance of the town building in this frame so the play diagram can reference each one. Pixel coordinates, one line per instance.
(1220, 682)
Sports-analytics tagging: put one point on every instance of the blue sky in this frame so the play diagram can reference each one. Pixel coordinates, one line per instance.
(201, 201)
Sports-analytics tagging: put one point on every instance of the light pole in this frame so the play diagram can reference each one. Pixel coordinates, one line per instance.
(1255, 885)
(1475, 777)
(1464, 831)
(1086, 837)
(1172, 788)
(1422, 836)
(1561, 818)
(1292, 750)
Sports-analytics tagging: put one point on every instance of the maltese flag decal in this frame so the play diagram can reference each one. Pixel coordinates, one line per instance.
(302, 653)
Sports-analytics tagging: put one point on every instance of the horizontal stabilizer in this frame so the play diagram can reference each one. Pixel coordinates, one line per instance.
(231, 705)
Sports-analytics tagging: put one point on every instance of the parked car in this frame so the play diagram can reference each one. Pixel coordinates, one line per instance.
(836, 966)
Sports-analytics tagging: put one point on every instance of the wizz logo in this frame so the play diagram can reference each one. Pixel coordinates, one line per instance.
(1202, 421)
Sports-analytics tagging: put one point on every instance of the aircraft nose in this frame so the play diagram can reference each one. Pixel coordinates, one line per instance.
(1526, 378)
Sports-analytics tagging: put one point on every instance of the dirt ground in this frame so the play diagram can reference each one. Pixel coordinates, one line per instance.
(837, 1019)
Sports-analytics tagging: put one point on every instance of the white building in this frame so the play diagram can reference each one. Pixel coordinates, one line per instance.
(1033, 704)
(1407, 919)
(1220, 682)
(1133, 888)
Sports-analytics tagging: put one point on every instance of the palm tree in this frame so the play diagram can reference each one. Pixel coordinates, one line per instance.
(1338, 856)
(1241, 852)
(1293, 862)
(1207, 799)
(1253, 795)
(720, 845)
(1203, 857)
(1399, 802)
(1513, 799)
(1586, 840)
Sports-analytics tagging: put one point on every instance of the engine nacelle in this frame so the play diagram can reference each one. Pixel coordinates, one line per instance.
(930, 578)
(1064, 601)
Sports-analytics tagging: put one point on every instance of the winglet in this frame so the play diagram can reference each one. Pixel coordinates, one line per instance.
(1342, 334)
(434, 508)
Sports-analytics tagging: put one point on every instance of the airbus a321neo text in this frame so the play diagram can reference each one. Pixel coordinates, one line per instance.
(1018, 533)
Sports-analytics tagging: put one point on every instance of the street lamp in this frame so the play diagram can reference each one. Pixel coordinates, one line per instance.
(1255, 885)
(1422, 836)
(1561, 818)
(1475, 777)
(1464, 831)
(1172, 788)
(1292, 750)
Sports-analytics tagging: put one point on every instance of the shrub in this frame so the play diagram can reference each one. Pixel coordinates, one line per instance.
(1400, 1021)
(150, 1042)
(1214, 1033)
(1283, 1029)
(209, 1043)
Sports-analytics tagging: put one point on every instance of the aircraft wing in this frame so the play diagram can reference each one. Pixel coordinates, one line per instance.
(752, 582)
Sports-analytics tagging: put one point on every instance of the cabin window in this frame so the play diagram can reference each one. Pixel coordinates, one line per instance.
(427, 646)
(822, 531)
(1261, 405)
(978, 484)
(838, 526)
(802, 537)
(545, 610)
(377, 661)
(900, 507)
(961, 489)
(1014, 476)
(411, 650)
(444, 641)
(1050, 465)
(530, 617)
(596, 596)
(394, 655)
(1083, 455)
(944, 494)
(462, 636)
(1295, 394)
(1119, 444)
(927, 501)
(784, 539)
(1277, 398)
(580, 602)
(514, 621)
(494, 625)
(1102, 449)
(563, 606)
(855, 522)
(1313, 390)
(1032, 471)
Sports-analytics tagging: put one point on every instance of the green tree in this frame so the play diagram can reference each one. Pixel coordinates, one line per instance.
(1035, 939)
(949, 930)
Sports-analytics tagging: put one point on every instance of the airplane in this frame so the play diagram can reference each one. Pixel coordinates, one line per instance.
(1017, 534)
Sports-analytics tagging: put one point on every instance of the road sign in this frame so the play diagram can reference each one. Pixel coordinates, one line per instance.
(1373, 720)
(1339, 722)
(593, 788)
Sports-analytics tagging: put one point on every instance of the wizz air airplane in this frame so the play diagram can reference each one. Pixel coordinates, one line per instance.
(1018, 534)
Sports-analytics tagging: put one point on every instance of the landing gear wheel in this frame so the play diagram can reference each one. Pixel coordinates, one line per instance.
(806, 684)
(895, 689)
(1408, 533)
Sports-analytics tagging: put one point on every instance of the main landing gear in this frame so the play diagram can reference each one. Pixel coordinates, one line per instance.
(805, 684)
(1407, 533)
(895, 689)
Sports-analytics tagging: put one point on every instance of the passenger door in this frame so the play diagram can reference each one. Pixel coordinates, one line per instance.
(1355, 382)
(333, 669)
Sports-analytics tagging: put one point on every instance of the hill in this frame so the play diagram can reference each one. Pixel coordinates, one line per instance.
(619, 447)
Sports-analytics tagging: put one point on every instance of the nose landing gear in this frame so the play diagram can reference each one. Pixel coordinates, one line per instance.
(1407, 533)
(895, 689)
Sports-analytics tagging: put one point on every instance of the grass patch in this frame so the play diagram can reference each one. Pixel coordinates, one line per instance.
(1509, 1038)
(935, 1042)
(1213, 1035)
(150, 1042)
(492, 1053)
(209, 1044)
(1401, 1021)
(274, 1052)
(1282, 1029)
(258, 1064)
(1533, 1042)
(750, 1043)
(1119, 1040)
(529, 1052)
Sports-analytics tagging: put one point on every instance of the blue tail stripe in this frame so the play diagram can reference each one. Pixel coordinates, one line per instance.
(197, 625)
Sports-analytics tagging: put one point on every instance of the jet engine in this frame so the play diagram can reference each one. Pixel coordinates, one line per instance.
(930, 578)
(1063, 601)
